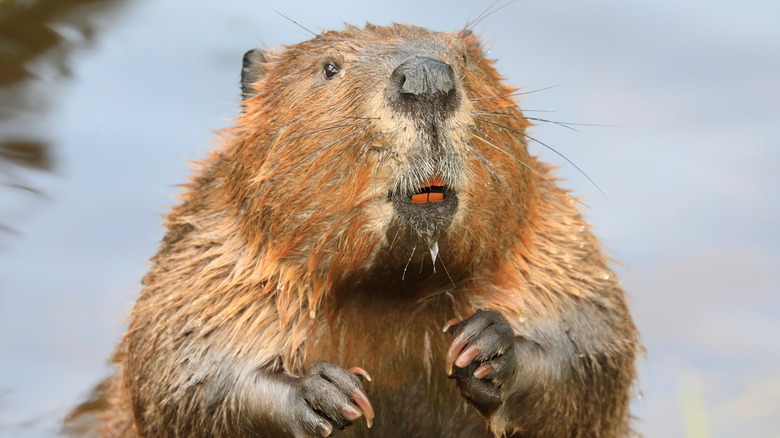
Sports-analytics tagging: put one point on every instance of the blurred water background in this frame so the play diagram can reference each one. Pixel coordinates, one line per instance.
(103, 102)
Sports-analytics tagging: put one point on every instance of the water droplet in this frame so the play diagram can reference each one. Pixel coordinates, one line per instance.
(434, 249)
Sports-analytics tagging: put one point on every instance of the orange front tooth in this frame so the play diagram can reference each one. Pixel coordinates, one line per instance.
(421, 197)
(435, 197)
(435, 181)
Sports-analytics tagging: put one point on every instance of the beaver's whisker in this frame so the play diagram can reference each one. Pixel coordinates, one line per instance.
(395, 238)
(569, 124)
(519, 93)
(492, 173)
(484, 161)
(322, 149)
(471, 173)
(515, 116)
(327, 41)
(486, 50)
(446, 271)
(362, 118)
(538, 119)
(329, 128)
(296, 23)
(403, 276)
(375, 177)
(534, 171)
(476, 20)
(510, 129)
(281, 147)
(486, 13)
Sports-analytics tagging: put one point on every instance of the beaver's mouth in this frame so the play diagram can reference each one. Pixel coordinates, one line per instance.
(429, 210)
(432, 191)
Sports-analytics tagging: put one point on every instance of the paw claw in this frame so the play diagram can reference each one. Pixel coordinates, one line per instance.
(362, 401)
(324, 428)
(467, 356)
(360, 372)
(483, 371)
(457, 345)
(351, 412)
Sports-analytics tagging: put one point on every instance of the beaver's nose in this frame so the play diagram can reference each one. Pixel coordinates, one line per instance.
(423, 83)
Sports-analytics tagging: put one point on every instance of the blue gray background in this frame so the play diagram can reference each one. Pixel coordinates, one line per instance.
(690, 169)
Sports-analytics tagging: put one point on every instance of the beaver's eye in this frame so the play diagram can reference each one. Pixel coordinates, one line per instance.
(330, 70)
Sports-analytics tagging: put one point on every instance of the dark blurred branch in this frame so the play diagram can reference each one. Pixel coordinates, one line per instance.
(34, 155)
(31, 39)
(26, 30)
(37, 40)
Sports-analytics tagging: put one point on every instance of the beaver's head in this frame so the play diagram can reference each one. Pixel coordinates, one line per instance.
(356, 147)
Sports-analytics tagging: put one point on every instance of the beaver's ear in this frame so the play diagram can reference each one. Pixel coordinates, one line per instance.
(469, 37)
(466, 33)
(251, 72)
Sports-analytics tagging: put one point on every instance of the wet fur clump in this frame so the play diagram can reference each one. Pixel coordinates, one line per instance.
(296, 242)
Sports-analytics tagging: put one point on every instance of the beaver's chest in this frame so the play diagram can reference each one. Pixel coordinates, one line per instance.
(402, 346)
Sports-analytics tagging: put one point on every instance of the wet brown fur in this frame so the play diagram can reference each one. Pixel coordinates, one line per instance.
(283, 251)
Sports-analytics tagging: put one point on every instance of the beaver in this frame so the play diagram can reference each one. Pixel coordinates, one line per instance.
(375, 214)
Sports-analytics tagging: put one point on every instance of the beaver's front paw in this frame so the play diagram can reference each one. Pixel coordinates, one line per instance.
(484, 357)
(332, 397)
